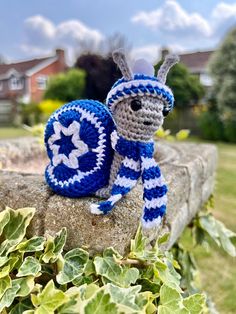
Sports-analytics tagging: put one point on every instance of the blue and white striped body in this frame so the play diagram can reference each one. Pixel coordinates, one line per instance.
(138, 162)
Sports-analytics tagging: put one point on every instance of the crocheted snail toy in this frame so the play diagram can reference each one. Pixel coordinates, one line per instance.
(102, 150)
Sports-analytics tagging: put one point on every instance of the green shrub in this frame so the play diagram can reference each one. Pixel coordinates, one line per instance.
(211, 126)
(66, 86)
(230, 129)
(30, 113)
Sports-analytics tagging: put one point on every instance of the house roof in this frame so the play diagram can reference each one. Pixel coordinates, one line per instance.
(196, 61)
(23, 66)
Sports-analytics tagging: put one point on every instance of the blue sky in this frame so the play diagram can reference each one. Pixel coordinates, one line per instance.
(33, 28)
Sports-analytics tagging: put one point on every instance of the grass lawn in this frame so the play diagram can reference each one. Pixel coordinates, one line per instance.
(11, 132)
(217, 269)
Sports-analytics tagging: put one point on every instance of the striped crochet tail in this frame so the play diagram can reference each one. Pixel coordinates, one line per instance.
(126, 179)
(155, 190)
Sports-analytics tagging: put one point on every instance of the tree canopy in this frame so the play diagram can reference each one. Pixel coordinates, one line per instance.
(223, 71)
(101, 72)
(66, 86)
(187, 88)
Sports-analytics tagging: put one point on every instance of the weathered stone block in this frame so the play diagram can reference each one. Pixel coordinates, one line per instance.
(188, 168)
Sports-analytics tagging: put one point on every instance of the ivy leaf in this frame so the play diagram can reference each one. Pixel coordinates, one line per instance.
(195, 303)
(225, 240)
(74, 265)
(148, 285)
(108, 268)
(218, 232)
(5, 283)
(30, 267)
(54, 247)
(171, 301)
(14, 231)
(9, 295)
(22, 306)
(4, 219)
(100, 303)
(125, 298)
(26, 285)
(163, 238)
(32, 245)
(49, 299)
(165, 271)
(138, 244)
(3, 260)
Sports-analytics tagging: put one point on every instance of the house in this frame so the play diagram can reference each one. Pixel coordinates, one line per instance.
(197, 64)
(26, 82)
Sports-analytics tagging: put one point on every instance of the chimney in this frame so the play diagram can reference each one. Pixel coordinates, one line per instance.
(60, 54)
(164, 52)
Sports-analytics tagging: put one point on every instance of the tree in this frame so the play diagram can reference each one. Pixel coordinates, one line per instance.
(187, 88)
(66, 86)
(223, 70)
(101, 73)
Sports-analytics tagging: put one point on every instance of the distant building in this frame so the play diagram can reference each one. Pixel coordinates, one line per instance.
(26, 81)
(197, 64)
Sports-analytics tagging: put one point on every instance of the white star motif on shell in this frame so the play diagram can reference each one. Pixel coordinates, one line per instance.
(81, 148)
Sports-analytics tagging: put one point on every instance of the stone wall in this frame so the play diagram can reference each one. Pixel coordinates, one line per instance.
(188, 168)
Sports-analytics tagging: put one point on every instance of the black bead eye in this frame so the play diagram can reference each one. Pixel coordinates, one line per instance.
(165, 113)
(136, 104)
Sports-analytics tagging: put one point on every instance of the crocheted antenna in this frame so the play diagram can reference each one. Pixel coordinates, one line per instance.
(120, 59)
(168, 63)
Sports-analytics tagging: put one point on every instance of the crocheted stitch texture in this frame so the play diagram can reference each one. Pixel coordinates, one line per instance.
(140, 85)
(77, 139)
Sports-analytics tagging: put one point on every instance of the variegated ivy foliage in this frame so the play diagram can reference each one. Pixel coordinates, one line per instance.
(37, 277)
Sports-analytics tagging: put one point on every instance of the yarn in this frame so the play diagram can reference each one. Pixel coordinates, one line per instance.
(77, 138)
(104, 150)
(138, 162)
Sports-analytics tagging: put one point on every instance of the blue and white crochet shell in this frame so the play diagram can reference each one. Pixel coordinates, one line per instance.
(77, 139)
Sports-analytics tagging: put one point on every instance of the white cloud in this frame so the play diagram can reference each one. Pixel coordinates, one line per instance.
(42, 36)
(171, 20)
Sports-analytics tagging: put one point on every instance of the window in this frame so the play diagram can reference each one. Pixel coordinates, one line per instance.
(205, 79)
(42, 81)
(15, 83)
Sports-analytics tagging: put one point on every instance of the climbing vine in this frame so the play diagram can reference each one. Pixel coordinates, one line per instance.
(38, 276)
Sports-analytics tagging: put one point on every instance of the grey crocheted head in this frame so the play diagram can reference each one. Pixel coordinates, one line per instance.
(137, 117)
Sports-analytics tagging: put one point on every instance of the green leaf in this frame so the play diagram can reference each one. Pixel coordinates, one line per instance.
(171, 301)
(26, 285)
(74, 265)
(14, 231)
(163, 239)
(125, 298)
(49, 299)
(100, 303)
(22, 306)
(225, 240)
(60, 241)
(148, 285)
(4, 219)
(5, 283)
(139, 242)
(167, 273)
(30, 267)
(9, 295)
(54, 247)
(218, 232)
(32, 245)
(110, 270)
(195, 303)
